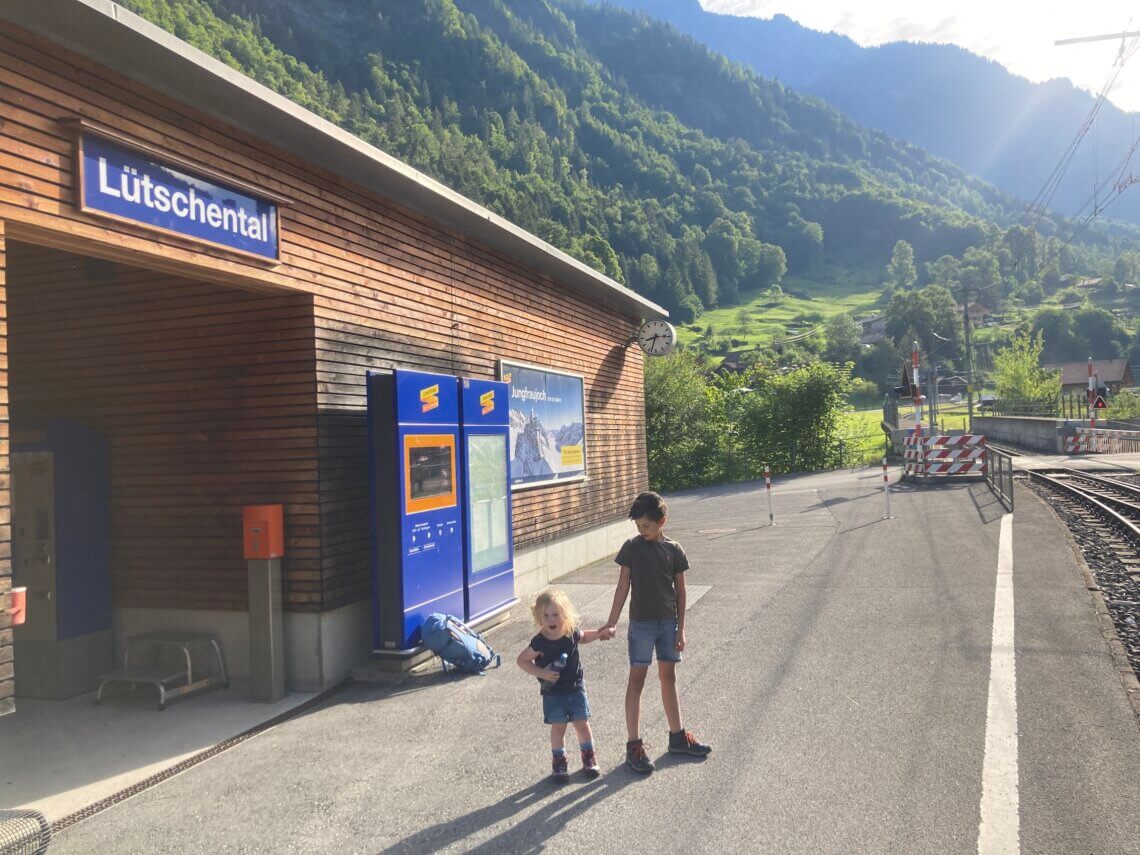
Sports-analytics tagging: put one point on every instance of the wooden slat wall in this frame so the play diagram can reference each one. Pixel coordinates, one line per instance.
(7, 686)
(207, 399)
(389, 288)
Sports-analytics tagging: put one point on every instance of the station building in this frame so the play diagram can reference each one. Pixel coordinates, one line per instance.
(219, 361)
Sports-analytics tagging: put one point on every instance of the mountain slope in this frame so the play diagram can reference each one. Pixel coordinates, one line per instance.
(594, 128)
(957, 105)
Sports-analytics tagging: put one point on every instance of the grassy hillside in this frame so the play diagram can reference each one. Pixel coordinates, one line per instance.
(805, 304)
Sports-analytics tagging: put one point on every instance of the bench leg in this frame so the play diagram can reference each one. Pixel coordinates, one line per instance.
(221, 662)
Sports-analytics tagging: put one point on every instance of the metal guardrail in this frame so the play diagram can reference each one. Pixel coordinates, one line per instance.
(1070, 405)
(999, 475)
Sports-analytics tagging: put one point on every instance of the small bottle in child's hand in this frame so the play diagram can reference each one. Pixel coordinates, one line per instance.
(558, 664)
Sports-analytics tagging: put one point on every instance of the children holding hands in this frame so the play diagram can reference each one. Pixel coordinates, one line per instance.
(653, 572)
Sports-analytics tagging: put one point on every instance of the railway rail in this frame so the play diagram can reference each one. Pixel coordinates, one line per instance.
(1103, 515)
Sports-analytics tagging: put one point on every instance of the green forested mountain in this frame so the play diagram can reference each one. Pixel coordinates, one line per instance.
(613, 137)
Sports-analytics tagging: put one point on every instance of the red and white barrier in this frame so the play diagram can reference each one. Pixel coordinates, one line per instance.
(945, 455)
(1101, 441)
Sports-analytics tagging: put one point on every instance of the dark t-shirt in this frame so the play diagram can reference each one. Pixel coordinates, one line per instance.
(549, 651)
(652, 565)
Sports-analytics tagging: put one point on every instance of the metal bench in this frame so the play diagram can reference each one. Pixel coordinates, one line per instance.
(23, 832)
(169, 664)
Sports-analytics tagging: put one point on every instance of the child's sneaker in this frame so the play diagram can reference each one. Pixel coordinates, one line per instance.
(636, 758)
(590, 764)
(683, 742)
(561, 769)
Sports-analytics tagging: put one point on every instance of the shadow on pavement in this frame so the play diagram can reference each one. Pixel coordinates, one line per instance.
(989, 506)
(863, 525)
(532, 834)
(667, 761)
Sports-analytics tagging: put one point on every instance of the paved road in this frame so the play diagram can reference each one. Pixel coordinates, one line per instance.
(839, 664)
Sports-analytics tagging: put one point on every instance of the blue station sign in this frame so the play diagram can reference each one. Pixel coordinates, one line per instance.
(121, 182)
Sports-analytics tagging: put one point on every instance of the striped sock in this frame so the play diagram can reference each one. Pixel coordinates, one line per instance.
(586, 746)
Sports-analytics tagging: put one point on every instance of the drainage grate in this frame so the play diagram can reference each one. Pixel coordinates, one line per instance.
(157, 778)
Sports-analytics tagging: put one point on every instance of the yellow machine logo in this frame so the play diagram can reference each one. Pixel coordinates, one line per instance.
(429, 397)
(487, 401)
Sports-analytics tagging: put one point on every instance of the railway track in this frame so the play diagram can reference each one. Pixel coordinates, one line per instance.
(1103, 515)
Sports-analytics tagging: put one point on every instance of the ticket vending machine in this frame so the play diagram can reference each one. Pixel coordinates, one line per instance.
(417, 526)
(488, 565)
(61, 553)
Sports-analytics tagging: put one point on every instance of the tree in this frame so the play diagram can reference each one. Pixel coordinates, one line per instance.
(684, 423)
(944, 271)
(843, 333)
(901, 270)
(792, 419)
(1071, 336)
(979, 273)
(1124, 405)
(1022, 243)
(771, 265)
(1033, 293)
(929, 315)
(1126, 267)
(1018, 375)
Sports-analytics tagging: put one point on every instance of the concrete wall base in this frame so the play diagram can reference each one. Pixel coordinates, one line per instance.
(321, 649)
(538, 566)
(1041, 434)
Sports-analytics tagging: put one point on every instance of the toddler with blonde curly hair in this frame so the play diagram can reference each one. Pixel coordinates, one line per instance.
(552, 657)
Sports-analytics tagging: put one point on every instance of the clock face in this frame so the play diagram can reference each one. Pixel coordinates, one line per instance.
(657, 338)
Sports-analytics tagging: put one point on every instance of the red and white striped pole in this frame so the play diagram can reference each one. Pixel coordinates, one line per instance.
(768, 489)
(917, 387)
(886, 490)
(920, 469)
(1092, 417)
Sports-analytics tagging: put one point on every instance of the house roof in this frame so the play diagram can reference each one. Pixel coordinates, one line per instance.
(977, 309)
(1077, 373)
(124, 42)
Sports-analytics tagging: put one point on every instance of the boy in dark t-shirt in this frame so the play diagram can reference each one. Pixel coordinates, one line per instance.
(563, 692)
(653, 568)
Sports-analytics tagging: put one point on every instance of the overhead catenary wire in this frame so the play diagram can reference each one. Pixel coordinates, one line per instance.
(1039, 207)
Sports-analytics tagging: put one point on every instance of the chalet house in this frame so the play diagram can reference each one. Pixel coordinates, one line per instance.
(1112, 374)
(874, 330)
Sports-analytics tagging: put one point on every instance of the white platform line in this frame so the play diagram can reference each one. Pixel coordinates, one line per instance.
(999, 830)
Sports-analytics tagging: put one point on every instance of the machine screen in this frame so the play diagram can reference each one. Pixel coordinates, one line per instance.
(429, 470)
(490, 527)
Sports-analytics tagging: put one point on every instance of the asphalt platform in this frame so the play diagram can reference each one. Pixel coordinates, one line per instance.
(839, 664)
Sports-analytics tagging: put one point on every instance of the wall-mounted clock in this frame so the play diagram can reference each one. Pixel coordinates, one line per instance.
(657, 338)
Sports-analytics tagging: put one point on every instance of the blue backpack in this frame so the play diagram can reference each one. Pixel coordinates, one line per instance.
(457, 644)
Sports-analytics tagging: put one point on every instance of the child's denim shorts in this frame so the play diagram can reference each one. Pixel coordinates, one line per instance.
(647, 635)
(565, 707)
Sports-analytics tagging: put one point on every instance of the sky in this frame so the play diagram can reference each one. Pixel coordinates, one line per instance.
(1015, 33)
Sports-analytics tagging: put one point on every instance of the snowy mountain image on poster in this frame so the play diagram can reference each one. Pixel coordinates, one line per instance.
(546, 431)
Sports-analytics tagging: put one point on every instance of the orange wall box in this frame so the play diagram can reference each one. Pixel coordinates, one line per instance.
(264, 531)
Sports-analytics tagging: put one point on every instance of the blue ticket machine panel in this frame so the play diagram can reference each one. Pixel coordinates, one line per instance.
(488, 565)
(417, 529)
